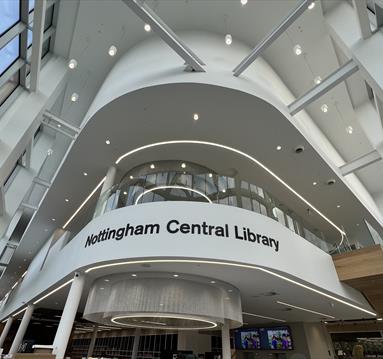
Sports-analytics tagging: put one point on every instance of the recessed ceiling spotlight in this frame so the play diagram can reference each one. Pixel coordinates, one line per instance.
(357, 224)
(66, 200)
(53, 219)
(224, 191)
(59, 126)
(338, 206)
(107, 142)
(229, 290)
(72, 64)
(175, 275)
(74, 97)
(85, 174)
(243, 2)
(125, 193)
(349, 130)
(279, 148)
(380, 319)
(131, 177)
(311, 6)
(298, 50)
(315, 183)
(102, 288)
(134, 275)
(50, 152)
(152, 166)
(147, 27)
(112, 50)
(183, 165)
(317, 80)
(212, 281)
(106, 280)
(324, 108)
(228, 39)
(195, 116)
(210, 175)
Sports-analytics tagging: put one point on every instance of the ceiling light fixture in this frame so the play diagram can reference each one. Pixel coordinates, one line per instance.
(53, 219)
(338, 206)
(112, 50)
(125, 193)
(305, 310)
(228, 39)
(311, 6)
(131, 177)
(152, 166)
(107, 142)
(298, 50)
(210, 175)
(134, 275)
(72, 64)
(147, 27)
(212, 281)
(262, 316)
(183, 165)
(74, 97)
(195, 116)
(315, 183)
(380, 319)
(279, 148)
(243, 2)
(66, 200)
(85, 174)
(53, 291)
(175, 275)
(317, 80)
(349, 130)
(324, 108)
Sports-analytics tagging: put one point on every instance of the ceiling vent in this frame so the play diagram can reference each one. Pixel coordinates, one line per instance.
(299, 149)
(331, 181)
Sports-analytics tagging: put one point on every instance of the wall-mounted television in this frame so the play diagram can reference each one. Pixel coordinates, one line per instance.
(270, 338)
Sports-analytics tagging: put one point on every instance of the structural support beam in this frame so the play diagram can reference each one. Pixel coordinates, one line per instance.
(37, 42)
(51, 117)
(166, 33)
(5, 331)
(2, 201)
(272, 36)
(360, 7)
(360, 162)
(326, 85)
(225, 332)
(92, 341)
(18, 339)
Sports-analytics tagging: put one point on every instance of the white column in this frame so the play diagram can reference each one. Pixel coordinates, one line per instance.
(22, 329)
(92, 341)
(109, 179)
(225, 333)
(68, 315)
(136, 343)
(5, 331)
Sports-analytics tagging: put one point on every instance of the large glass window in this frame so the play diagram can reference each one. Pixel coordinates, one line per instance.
(9, 54)
(9, 14)
(10, 86)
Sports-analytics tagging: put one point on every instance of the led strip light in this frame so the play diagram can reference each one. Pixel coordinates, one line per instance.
(176, 187)
(305, 309)
(53, 291)
(229, 264)
(262, 316)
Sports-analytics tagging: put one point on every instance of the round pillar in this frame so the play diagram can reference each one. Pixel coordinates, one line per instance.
(22, 329)
(225, 331)
(5, 331)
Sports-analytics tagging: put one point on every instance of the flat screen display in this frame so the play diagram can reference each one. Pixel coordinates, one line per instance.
(276, 338)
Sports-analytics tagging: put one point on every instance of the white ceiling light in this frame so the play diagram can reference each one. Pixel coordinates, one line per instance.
(66, 200)
(72, 64)
(324, 108)
(349, 130)
(85, 174)
(183, 165)
(134, 275)
(305, 309)
(195, 117)
(311, 6)
(147, 27)
(262, 316)
(53, 219)
(107, 142)
(125, 193)
(112, 50)
(212, 281)
(74, 97)
(315, 183)
(243, 2)
(175, 275)
(210, 175)
(131, 177)
(380, 319)
(279, 148)
(228, 39)
(298, 50)
(317, 80)
(152, 166)
(224, 191)
(338, 206)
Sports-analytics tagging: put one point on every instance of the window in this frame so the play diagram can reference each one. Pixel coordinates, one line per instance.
(7, 89)
(9, 14)
(31, 5)
(9, 54)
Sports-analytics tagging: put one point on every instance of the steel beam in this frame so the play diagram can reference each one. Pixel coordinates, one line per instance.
(360, 162)
(272, 36)
(37, 42)
(326, 85)
(59, 130)
(360, 7)
(166, 33)
(19, 63)
(51, 117)
(11, 33)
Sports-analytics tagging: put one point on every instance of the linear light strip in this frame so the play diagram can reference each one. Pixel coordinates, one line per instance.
(233, 265)
(19, 312)
(176, 187)
(213, 144)
(264, 317)
(53, 291)
(84, 203)
(305, 309)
